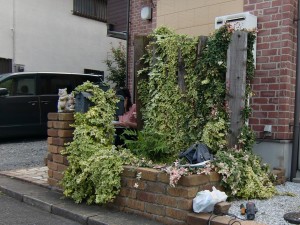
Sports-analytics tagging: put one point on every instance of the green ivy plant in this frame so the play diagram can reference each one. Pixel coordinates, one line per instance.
(95, 164)
(116, 65)
(243, 174)
(168, 113)
(175, 118)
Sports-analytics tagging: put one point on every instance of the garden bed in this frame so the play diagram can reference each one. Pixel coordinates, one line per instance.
(150, 196)
(153, 198)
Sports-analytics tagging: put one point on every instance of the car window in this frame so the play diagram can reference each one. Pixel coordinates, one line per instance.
(19, 85)
(50, 83)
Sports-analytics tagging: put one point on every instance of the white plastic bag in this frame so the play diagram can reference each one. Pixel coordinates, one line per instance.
(206, 200)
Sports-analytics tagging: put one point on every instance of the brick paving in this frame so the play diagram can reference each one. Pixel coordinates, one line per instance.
(36, 175)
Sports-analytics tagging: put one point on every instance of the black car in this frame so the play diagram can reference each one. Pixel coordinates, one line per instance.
(26, 99)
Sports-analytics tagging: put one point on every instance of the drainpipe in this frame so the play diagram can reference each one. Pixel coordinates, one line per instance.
(295, 150)
(13, 30)
(127, 41)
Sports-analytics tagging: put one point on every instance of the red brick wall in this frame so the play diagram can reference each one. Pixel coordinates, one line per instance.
(154, 198)
(138, 27)
(274, 82)
(59, 133)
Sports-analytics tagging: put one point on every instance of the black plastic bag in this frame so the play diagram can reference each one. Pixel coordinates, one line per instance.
(197, 153)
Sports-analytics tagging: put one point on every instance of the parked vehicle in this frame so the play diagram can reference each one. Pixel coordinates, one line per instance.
(27, 98)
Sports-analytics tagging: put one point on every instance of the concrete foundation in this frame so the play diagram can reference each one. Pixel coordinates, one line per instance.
(276, 153)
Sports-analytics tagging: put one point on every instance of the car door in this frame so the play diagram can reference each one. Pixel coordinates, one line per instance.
(19, 110)
(48, 85)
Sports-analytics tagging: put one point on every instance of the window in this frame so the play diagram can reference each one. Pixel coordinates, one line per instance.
(92, 9)
(5, 65)
(20, 85)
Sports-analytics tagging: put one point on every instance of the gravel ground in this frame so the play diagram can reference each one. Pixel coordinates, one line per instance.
(22, 153)
(271, 211)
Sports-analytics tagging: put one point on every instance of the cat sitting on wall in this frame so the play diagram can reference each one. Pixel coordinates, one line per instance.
(65, 102)
(71, 103)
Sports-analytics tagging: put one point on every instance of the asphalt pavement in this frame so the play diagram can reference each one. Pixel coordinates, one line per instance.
(12, 212)
(54, 202)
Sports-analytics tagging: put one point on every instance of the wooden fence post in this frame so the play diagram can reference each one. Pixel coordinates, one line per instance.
(140, 42)
(236, 83)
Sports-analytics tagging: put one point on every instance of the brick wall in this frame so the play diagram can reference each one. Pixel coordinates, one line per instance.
(274, 82)
(156, 199)
(59, 133)
(138, 27)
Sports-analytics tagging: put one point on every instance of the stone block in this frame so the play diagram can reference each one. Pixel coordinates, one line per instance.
(61, 167)
(52, 165)
(163, 177)
(128, 192)
(52, 116)
(57, 175)
(166, 200)
(65, 133)
(176, 213)
(186, 204)
(193, 180)
(66, 116)
(50, 124)
(185, 192)
(222, 208)
(148, 173)
(146, 196)
(62, 125)
(53, 149)
(52, 132)
(58, 158)
(155, 209)
(156, 187)
(135, 204)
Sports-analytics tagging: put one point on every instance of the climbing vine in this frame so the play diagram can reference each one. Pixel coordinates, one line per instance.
(174, 118)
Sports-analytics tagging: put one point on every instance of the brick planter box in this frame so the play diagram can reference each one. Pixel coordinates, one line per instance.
(154, 198)
(59, 133)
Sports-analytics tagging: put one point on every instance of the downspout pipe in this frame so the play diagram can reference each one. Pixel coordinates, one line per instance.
(295, 150)
(127, 42)
(13, 29)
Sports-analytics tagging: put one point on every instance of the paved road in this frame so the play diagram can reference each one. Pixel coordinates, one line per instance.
(14, 212)
(22, 153)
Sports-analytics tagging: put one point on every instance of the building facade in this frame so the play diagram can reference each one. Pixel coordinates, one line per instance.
(54, 35)
(274, 82)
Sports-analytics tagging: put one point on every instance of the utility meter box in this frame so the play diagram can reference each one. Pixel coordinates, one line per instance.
(244, 20)
(82, 102)
(239, 21)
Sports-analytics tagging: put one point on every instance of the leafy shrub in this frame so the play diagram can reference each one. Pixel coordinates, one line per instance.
(116, 65)
(243, 174)
(95, 164)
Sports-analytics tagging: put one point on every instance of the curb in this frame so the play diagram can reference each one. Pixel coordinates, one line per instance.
(54, 202)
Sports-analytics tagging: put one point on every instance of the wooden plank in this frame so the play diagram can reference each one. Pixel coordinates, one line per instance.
(201, 44)
(140, 42)
(236, 83)
(181, 73)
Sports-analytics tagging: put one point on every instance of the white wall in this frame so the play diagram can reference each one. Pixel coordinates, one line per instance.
(48, 37)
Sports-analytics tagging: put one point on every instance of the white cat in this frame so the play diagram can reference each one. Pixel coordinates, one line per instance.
(70, 103)
(62, 100)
